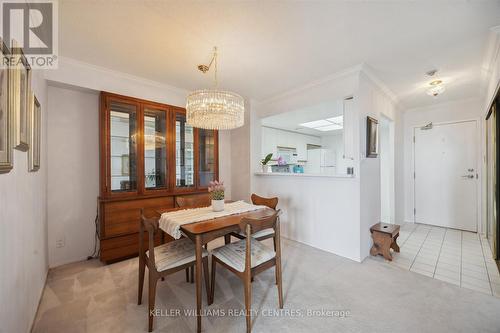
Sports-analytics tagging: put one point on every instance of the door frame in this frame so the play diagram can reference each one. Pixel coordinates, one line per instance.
(478, 167)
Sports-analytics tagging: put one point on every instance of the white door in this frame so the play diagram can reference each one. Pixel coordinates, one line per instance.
(445, 175)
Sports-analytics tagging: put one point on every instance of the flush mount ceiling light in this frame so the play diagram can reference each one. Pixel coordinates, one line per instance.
(436, 86)
(214, 108)
(324, 125)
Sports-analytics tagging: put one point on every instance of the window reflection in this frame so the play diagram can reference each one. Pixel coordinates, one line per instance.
(123, 126)
(206, 156)
(155, 149)
(184, 155)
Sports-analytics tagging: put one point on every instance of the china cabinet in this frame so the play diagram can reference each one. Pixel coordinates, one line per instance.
(149, 155)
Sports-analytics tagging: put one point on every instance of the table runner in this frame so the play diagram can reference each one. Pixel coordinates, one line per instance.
(171, 222)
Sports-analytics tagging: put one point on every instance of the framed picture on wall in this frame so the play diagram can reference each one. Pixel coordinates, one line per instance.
(371, 137)
(22, 87)
(35, 120)
(6, 121)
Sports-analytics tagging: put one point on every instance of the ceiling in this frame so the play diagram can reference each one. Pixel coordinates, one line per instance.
(270, 47)
(291, 120)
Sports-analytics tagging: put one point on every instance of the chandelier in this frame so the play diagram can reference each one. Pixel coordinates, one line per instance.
(214, 108)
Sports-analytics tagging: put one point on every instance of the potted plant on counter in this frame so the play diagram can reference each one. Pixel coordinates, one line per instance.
(264, 161)
(216, 190)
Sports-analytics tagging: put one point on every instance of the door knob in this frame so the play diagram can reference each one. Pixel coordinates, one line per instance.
(468, 176)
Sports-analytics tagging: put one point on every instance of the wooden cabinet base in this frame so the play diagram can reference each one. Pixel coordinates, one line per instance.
(122, 247)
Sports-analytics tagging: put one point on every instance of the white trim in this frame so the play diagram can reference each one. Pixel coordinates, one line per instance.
(491, 57)
(324, 80)
(441, 104)
(119, 74)
(479, 170)
(366, 69)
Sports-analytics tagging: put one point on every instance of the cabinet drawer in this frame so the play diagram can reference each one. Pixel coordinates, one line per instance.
(117, 248)
(122, 217)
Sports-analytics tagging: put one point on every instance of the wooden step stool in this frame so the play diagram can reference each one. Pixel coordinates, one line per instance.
(384, 238)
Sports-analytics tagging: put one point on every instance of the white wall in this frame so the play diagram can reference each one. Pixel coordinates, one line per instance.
(273, 137)
(73, 172)
(23, 232)
(240, 159)
(386, 138)
(74, 150)
(438, 113)
(225, 161)
(491, 69)
(315, 208)
(317, 211)
(374, 102)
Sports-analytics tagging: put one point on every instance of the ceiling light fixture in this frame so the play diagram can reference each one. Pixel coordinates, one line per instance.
(324, 125)
(214, 108)
(436, 86)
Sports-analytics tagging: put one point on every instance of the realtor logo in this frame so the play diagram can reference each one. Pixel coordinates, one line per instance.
(33, 25)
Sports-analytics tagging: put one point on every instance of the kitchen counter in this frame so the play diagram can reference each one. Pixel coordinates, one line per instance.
(290, 174)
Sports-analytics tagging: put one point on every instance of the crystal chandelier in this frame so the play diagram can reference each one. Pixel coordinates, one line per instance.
(214, 108)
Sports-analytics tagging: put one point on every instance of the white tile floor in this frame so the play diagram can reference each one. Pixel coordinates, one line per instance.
(458, 257)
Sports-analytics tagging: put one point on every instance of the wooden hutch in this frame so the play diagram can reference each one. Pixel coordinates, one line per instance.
(148, 156)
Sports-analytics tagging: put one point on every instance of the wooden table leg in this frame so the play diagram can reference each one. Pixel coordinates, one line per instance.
(199, 266)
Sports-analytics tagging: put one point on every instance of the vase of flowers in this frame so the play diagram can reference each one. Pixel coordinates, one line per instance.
(216, 190)
(264, 162)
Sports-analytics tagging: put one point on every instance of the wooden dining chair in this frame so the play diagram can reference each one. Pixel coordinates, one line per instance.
(193, 201)
(266, 233)
(249, 257)
(163, 260)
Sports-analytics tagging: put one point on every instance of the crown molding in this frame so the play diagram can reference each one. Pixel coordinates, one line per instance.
(440, 105)
(335, 76)
(490, 59)
(492, 53)
(361, 68)
(119, 75)
(368, 71)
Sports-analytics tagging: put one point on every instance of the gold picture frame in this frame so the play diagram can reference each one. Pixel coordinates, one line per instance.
(35, 133)
(371, 137)
(21, 72)
(6, 118)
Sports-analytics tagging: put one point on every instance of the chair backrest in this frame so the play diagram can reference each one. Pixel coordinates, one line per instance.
(251, 226)
(151, 226)
(202, 200)
(256, 225)
(269, 202)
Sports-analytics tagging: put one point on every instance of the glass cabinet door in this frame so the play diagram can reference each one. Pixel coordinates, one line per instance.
(155, 148)
(184, 152)
(123, 147)
(206, 157)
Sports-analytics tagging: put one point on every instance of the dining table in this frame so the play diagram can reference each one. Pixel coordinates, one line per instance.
(202, 232)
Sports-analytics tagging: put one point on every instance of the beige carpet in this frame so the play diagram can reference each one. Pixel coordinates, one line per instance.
(376, 296)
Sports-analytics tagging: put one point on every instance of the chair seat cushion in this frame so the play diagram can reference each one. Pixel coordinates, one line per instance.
(174, 254)
(259, 234)
(233, 254)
